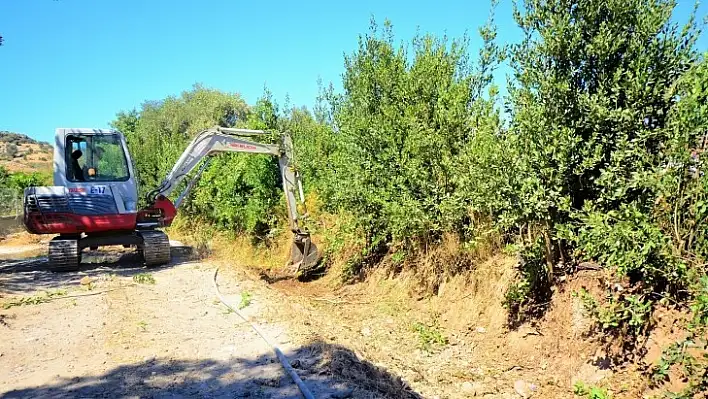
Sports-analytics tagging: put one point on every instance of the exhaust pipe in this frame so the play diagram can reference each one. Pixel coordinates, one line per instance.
(304, 255)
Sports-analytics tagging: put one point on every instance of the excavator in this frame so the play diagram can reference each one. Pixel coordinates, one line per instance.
(94, 199)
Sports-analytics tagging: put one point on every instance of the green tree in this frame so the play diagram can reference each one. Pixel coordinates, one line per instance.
(238, 192)
(160, 131)
(243, 192)
(594, 83)
(401, 123)
(126, 122)
(4, 174)
(315, 148)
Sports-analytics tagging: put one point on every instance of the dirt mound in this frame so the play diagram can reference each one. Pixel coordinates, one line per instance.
(457, 343)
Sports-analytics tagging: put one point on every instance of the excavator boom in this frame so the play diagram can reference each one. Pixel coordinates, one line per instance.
(217, 140)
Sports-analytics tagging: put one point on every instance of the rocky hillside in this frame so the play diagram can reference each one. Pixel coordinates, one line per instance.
(20, 153)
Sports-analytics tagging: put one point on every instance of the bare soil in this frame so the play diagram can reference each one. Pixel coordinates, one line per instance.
(380, 321)
(107, 335)
(103, 332)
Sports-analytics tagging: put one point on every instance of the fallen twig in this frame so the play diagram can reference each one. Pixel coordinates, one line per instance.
(338, 302)
(464, 297)
(48, 299)
(86, 294)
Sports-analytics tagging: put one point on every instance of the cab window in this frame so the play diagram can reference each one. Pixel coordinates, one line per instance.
(98, 158)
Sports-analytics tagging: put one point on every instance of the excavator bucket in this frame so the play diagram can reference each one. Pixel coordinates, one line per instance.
(304, 256)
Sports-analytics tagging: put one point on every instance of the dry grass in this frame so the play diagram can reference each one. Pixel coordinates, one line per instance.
(468, 299)
(241, 252)
(237, 250)
(375, 318)
(442, 266)
(476, 297)
(336, 239)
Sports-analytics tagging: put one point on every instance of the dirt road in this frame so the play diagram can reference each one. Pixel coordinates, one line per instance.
(115, 329)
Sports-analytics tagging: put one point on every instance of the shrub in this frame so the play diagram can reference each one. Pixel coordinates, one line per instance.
(11, 150)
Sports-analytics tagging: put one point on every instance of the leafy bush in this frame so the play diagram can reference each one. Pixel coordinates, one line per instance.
(590, 392)
(530, 296)
(400, 124)
(400, 155)
(240, 193)
(429, 336)
(603, 123)
(18, 181)
(11, 150)
(144, 278)
(628, 241)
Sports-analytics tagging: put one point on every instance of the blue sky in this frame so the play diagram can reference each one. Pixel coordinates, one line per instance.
(76, 63)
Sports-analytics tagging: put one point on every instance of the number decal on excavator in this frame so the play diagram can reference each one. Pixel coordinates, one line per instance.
(97, 190)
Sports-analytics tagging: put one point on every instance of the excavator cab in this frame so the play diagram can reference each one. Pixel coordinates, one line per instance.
(94, 186)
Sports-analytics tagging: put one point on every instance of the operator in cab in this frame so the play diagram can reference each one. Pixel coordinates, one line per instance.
(76, 170)
(79, 173)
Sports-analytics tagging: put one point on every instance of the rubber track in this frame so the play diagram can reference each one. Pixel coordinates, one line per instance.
(64, 255)
(155, 248)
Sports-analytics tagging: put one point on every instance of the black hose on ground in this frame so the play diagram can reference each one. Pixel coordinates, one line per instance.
(283, 360)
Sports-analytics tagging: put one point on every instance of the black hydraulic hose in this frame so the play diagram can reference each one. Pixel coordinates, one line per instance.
(281, 357)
